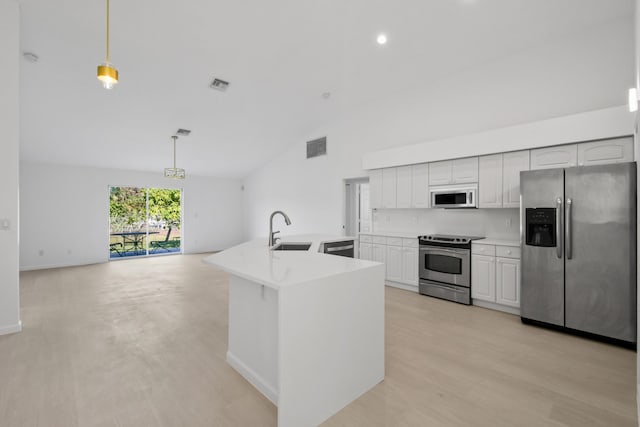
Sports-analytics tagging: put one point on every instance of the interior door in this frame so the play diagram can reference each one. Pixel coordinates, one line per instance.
(601, 250)
(542, 266)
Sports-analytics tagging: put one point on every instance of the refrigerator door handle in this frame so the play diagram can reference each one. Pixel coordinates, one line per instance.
(567, 228)
(559, 227)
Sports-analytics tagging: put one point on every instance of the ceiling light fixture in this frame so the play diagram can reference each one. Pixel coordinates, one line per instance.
(107, 73)
(174, 172)
(633, 99)
(381, 39)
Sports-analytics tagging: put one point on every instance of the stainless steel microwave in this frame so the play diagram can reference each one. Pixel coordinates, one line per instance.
(454, 197)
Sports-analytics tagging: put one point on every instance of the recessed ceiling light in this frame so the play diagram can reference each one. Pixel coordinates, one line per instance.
(381, 39)
(326, 95)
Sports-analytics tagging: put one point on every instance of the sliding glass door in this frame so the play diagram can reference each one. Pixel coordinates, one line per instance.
(144, 221)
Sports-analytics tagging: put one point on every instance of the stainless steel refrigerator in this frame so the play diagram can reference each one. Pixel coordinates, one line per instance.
(578, 237)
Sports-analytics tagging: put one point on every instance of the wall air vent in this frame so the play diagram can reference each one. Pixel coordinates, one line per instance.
(317, 147)
(220, 85)
(183, 132)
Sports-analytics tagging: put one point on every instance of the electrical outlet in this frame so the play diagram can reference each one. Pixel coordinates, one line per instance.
(5, 224)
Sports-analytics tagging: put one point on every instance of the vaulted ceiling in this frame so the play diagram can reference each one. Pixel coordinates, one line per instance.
(280, 57)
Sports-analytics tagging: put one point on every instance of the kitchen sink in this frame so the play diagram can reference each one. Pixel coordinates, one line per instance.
(291, 246)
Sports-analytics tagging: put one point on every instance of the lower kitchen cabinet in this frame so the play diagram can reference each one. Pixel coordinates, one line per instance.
(394, 263)
(483, 278)
(410, 266)
(365, 251)
(508, 282)
(400, 256)
(378, 252)
(495, 276)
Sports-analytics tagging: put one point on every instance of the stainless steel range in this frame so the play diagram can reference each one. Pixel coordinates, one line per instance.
(445, 267)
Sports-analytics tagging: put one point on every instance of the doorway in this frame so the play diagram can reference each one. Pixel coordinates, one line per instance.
(144, 221)
(357, 216)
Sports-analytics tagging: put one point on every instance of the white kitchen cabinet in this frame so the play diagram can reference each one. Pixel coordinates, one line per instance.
(420, 185)
(410, 266)
(483, 278)
(378, 252)
(464, 170)
(458, 171)
(561, 156)
(606, 151)
(490, 181)
(375, 188)
(441, 173)
(389, 187)
(508, 282)
(404, 187)
(394, 263)
(512, 164)
(365, 251)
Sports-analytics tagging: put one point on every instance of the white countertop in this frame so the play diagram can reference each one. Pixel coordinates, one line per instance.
(254, 261)
(498, 242)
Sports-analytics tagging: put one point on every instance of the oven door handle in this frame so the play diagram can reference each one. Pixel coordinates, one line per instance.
(451, 251)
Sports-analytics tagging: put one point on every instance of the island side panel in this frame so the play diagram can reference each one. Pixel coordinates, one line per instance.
(253, 334)
(331, 347)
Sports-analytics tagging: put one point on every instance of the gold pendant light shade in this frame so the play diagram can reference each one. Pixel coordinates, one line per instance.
(107, 73)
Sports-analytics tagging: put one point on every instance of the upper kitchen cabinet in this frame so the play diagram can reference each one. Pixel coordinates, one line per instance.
(420, 185)
(389, 188)
(464, 170)
(561, 156)
(375, 188)
(459, 171)
(440, 173)
(490, 181)
(606, 151)
(404, 187)
(512, 164)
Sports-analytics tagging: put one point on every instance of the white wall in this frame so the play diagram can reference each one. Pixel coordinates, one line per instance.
(586, 72)
(9, 119)
(65, 212)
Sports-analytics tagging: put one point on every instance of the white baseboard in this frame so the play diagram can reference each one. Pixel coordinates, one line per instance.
(412, 288)
(11, 329)
(256, 380)
(494, 306)
(62, 265)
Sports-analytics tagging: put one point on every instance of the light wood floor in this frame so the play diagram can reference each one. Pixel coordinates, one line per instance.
(142, 343)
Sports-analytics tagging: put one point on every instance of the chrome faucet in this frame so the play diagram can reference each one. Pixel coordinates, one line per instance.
(272, 234)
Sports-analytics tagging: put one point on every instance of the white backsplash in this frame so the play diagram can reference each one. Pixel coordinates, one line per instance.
(494, 223)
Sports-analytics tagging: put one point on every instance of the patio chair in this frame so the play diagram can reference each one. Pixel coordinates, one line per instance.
(113, 247)
(162, 244)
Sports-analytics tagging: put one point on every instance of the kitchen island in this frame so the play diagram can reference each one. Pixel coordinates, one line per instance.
(305, 328)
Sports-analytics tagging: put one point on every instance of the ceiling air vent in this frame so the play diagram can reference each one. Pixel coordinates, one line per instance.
(317, 147)
(183, 132)
(220, 85)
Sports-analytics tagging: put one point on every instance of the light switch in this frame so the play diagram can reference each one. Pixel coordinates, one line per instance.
(5, 224)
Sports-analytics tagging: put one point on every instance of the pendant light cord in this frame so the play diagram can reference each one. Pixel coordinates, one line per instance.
(174, 150)
(108, 55)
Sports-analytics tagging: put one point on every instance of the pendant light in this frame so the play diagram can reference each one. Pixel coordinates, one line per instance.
(107, 73)
(174, 172)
